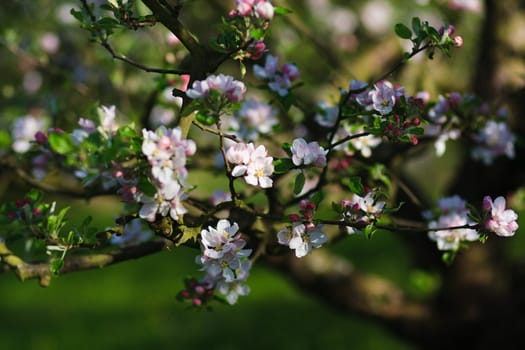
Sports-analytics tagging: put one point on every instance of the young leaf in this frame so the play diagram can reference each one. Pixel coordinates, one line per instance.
(61, 143)
(282, 165)
(299, 183)
(56, 265)
(281, 10)
(403, 31)
(355, 185)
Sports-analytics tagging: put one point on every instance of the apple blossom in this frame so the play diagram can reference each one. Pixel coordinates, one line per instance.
(24, 130)
(361, 211)
(302, 238)
(252, 163)
(383, 97)
(501, 221)
(451, 239)
(493, 140)
(307, 153)
(232, 90)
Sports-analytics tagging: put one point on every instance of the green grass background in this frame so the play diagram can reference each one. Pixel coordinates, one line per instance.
(132, 305)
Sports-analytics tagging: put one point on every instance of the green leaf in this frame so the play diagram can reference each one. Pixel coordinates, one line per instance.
(77, 14)
(186, 234)
(281, 10)
(369, 230)
(257, 34)
(61, 143)
(317, 198)
(299, 183)
(56, 265)
(127, 131)
(282, 165)
(448, 257)
(417, 131)
(355, 185)
(416, 25)
(337, 207)
(5, 139)
(147, 187)
(403, 31)
(242, 66)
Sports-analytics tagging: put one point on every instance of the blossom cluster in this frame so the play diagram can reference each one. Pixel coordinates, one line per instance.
(224, 85)
(307, 153)
(499, 220)
(279, 81)
(494, 140)
(166, 152)
(256, 8)
(451, 212)
(491, 140)
(303, 235)
(253, 119)
(251, 163)
(24, 131)
(361, 211)
(107, 125)
(225, 260)
(382, 97)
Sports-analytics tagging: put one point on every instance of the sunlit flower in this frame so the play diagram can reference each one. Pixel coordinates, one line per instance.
(501, 221)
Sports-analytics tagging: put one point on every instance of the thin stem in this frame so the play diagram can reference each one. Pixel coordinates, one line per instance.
(402, 228)
(105, 44)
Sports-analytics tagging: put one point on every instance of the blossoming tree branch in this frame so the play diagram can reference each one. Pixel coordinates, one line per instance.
(284, 192)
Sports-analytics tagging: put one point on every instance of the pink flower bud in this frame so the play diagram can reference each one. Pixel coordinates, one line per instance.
(416, 121)
(487, 203)
(345, 203)
(303, 204)
(257, 49)
(291, 71)
(196, 301)
(11, 215)
(185, 294)
(414, 140)
(37, 211)
(458, 41)
(200, 290)
(244, 9)
(40, 138)
(294, 217)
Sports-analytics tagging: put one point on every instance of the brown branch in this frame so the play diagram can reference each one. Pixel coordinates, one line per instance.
(166, 17)
(42, 272)
(336, 282)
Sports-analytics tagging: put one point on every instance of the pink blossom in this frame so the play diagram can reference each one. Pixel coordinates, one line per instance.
(383, 97)
(302, 238)
(307, 153)
(291, 71)
(271, 64)
(252, 163)
(232, 89)
(501, 221)
(264, 9)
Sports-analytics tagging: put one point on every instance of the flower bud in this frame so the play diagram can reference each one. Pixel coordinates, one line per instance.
(458, 41)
